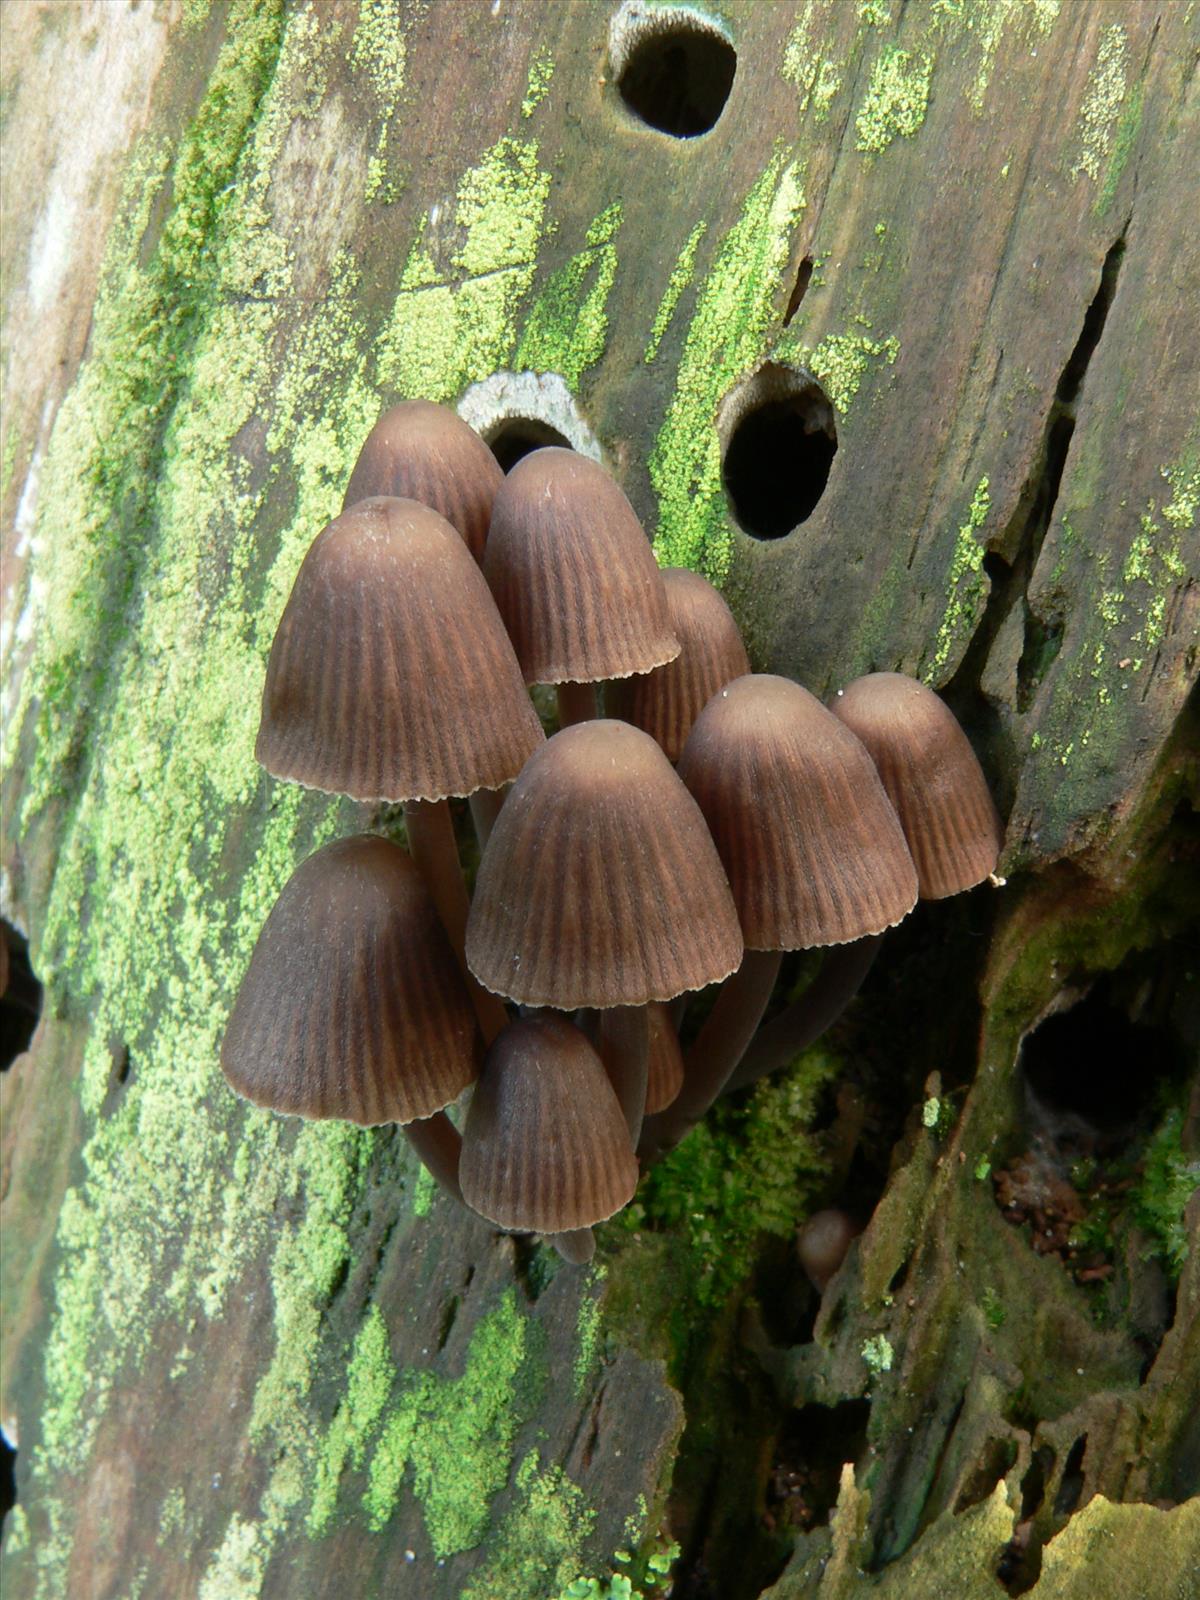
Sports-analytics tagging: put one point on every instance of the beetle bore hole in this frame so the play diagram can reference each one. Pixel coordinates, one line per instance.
(778, 439)
(20, 996)
(516, 437)
(8, 1476)
(674, 69)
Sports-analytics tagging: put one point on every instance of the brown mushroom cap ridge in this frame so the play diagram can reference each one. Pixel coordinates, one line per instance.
(391, 677)
(932, 776)
(667, 701)
(426, 452)
(814, 851)
(600, 885)
(573, 573)
(352, 1005)
(545, 1147)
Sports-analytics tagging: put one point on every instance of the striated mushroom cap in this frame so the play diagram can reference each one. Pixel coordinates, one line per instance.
(573, 573)
(814, 851)
(426, 452)
(666, 702)
(391, 677)
(600, 885)
(545, 1148)
(932, 777)
(353, 1005)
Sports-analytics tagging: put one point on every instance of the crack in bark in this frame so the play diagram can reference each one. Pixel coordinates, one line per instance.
(1010, 576)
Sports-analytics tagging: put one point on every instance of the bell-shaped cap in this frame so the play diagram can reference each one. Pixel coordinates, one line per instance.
(391, 676)
(664, 1070)
(353, 1005)
(545, 1148)
(814, 851)
(573, 573)
(426, 452)
(600, 885)
(666, 702)
(932, 777)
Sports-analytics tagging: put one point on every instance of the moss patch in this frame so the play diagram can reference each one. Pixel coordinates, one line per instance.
(567, 326)
(896, 98)
(966, 584)
(726, 336)
(539, 1541)
(470, 1421)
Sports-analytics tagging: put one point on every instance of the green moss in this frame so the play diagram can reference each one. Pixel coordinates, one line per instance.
(989, 22)
(541, 70)
(567, 326)
(1122, 144)
(681, 276)
(470, 1421)
(878, 1354)
(538, 1544)
(1101, 108)
(1168, 1181)
(378, 53)
(842, 361)
(587, 1340)
(896, 98)
(874, 13)
(726, 336)
(370, 1376)
(454, 325)
(817, 79)
(966, 583)
(743, 1172)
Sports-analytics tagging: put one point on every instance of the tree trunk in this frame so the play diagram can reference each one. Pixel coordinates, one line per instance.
(247, 1357)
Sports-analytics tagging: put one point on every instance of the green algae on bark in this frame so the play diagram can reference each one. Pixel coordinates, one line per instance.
(725, 337)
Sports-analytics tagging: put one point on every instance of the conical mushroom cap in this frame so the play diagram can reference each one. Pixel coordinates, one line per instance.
(573, 573)
(666, 702)
(353, 1005)
(600, 885)
(664, 1071)
(426, 452)
(932, 778)
(545, 1148)
(814, 851)
(391, 677)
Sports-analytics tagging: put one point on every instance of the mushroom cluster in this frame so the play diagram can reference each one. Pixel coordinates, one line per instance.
(708, 821)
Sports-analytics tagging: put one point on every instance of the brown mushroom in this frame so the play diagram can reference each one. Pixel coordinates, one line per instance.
(391, 678)
(545, 1147)
(352, 1005)
(426, 452)
(601, 887)
(932, 776)
(823, 1243)
(666, 702)
(575, 578)
(814, 852)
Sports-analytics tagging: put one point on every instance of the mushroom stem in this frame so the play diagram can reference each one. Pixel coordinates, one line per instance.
(578, 1247)
(716, 1050)
(485, 808)
(624, 1048)
(438, 1143)
(435, 854)
(576, 703)
(806, 1019)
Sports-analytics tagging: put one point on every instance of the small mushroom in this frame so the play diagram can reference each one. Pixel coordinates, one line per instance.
(932, 776)
(814, 852)
(422, 451)
(545, 1147)
(666, 702)
(600, 886)
(823, 1243)
(352, 1006)
(575, 578)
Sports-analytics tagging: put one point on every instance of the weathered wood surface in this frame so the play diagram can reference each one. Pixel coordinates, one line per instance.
(240, 1358)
